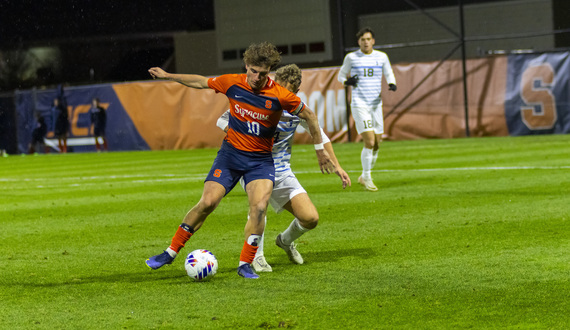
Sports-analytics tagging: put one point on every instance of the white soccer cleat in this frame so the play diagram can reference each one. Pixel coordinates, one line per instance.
(260, 265)
(367, 183)
(291, 251)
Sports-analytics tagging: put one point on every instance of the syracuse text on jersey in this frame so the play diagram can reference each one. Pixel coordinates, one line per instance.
(254, 115)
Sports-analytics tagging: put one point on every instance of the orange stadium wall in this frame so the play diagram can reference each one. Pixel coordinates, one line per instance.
(171, 116)
(435, 109)
(514, 95)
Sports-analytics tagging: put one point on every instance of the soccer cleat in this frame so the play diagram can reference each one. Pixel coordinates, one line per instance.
(246, 272)
(367, 183)
(159, 260)
(260, 265)
(291, 250)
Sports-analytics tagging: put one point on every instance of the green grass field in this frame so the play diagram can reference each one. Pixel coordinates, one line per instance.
(464, 233)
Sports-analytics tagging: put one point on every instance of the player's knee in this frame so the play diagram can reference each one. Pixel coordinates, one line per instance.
(258, 210)
(377, 143)
(207, 205)
(369, 144)
(310, 222)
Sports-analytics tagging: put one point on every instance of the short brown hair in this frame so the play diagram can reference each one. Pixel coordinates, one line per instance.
(290, 74)
(262, 54)
(364, 30)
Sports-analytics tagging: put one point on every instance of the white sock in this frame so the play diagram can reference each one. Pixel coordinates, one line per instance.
(260, 246)
(374, 158)
(294, 231)
(254, 239)
(172, 253)
(366, 157)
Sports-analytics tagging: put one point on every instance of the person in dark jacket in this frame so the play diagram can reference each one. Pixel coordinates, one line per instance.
(61, 128)
(99, 122)
(38, 134)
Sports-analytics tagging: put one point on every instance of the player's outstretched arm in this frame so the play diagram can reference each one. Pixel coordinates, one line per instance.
(190, 80)
(338, 169)
(325, 162)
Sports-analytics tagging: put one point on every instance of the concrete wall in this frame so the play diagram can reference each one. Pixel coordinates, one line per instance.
(488, 19)
(288, 23)
(300, 28)
(196, 53)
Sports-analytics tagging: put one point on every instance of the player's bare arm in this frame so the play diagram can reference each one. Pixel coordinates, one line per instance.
(190, 80)
(338, 169)
(325, 162)
(345, 179)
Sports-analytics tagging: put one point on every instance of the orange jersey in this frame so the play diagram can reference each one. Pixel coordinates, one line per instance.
(254, 116)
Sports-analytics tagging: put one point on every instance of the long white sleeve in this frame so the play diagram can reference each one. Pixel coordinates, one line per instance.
(344, 69)
(388, 73)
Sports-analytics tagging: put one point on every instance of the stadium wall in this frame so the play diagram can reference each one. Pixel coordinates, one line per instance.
(514, 95)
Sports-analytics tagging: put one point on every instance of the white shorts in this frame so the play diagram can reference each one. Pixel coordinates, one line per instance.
(368, 119)
(286, 187)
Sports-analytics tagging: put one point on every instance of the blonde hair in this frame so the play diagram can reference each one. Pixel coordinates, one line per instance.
(290, 74)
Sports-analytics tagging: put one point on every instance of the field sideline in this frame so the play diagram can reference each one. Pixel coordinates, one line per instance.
(463, 233)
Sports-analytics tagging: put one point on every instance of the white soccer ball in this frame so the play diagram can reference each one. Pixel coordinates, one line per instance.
(201, 264)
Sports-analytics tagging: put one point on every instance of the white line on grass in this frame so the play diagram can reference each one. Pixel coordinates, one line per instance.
(105, 177)
(201, 176)
(160, 178)
(475, 169)
(498, 168)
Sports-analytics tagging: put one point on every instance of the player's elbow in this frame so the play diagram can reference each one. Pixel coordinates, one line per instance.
(308, 115)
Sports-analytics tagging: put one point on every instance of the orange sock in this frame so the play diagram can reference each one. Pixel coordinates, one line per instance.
(183, 234)
(247, 253)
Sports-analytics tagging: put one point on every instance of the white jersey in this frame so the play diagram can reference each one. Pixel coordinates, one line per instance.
(282, 141)
(369, 68)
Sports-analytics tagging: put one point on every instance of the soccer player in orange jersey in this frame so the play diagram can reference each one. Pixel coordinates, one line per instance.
(256, 104)
(288, 194)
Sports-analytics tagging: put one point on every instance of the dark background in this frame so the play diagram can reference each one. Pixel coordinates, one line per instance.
(112, 41)
(27, 20)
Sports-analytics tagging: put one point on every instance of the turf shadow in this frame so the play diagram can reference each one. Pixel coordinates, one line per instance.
(334, 255)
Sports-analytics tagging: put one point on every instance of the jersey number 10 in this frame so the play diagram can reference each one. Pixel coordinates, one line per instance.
(253, 127)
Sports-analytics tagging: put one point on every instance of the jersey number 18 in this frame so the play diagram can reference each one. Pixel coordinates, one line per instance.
(368, 72)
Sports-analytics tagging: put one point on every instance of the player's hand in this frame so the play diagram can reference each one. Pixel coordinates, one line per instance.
(157, 73)
(325, 162)
(392, 87)
(343, 177)
(352, 81)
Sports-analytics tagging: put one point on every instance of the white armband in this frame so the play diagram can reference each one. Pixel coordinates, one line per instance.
(224, 120)
(319, 146)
